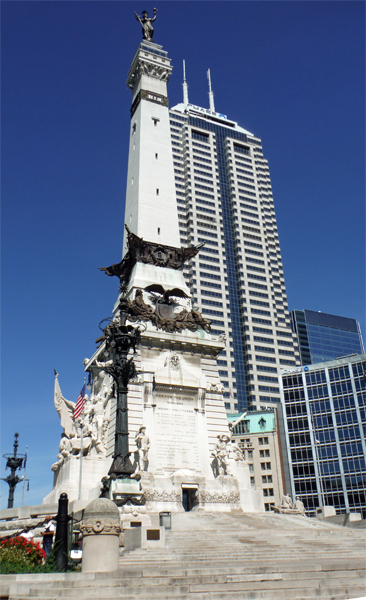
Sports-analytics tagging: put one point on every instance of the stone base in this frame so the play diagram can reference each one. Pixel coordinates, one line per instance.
(66, 479)
(355, 517)
(288, 511)
(223, 494)
(133, 516)
(144, 537)
(325, 511)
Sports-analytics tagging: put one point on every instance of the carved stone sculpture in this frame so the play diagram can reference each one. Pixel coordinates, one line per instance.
(65, 451)
(173, 362)
(98, 418)
(65, 409)
(221, 456)
(215, 387)
(289, 507)
(299, 505)
(236, 452)
(93, 421)
(286, 501)
(143, 446)
(215, 497)
(152, 495)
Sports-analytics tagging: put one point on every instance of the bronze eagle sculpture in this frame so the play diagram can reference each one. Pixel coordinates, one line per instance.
(156, 288)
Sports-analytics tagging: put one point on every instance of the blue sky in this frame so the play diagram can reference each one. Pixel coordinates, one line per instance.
(292, 73)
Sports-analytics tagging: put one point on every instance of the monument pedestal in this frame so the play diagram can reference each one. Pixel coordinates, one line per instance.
(176, 416)
(67, 478)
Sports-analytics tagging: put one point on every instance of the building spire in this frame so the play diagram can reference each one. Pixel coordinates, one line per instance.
(185, 85)
(210, 92)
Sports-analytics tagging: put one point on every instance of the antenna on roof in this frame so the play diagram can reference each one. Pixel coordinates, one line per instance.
(185, 85)
(210, 92)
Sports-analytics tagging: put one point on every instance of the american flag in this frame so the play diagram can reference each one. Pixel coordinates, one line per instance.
(80, 403)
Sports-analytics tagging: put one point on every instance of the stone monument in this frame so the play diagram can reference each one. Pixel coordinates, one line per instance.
(179, 443)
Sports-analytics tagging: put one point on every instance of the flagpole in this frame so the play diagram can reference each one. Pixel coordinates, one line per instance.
(81, 459)
(25, 468)
(81, 442)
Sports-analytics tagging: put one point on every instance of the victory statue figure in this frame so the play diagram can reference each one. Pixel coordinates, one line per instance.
(147, 28)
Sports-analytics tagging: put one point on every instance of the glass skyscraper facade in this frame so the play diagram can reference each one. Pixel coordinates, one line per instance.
(325, 337)
(224, 199)
(324, 406)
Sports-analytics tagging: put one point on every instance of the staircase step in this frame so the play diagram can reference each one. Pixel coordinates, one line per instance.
(222, 557)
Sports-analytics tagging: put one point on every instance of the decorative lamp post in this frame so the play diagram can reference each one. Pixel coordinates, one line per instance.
(13, 462)
(120, 339)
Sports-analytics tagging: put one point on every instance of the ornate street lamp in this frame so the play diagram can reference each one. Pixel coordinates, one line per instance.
(13, 462)
(120, 339)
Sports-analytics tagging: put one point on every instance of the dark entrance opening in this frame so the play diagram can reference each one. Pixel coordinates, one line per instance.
(189, 498)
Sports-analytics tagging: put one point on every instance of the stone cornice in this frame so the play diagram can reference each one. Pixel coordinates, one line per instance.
(149, 61)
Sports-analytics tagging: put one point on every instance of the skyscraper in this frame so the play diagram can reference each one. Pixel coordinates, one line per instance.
(224, 199)
(324, 337)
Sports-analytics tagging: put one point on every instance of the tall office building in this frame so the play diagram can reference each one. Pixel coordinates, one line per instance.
(224, 199)
(323, 337)
(324, 406)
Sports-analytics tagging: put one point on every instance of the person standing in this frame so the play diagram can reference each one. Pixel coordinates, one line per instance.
(27, 534)
(47, 534)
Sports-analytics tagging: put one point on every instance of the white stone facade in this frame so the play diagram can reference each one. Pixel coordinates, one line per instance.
(150, 212)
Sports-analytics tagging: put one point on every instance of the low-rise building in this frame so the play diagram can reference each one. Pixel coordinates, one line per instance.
(257, 436)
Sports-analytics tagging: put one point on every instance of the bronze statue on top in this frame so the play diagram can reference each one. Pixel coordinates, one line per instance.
(147, 28)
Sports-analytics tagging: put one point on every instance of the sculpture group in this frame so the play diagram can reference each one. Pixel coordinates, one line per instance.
(92, 424)
(289, 507)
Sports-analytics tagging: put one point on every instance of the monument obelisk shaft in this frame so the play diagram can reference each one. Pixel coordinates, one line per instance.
(151, 210)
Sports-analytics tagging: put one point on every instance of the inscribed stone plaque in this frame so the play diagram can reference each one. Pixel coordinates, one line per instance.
(176, 432)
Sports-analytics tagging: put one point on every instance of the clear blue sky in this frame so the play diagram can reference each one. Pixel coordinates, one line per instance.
(292, 73)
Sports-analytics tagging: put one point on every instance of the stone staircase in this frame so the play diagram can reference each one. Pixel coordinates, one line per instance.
(222, 557)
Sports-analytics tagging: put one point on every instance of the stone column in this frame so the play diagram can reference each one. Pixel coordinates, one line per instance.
(100, 528)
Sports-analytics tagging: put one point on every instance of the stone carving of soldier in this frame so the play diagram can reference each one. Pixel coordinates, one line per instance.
(221, 454)
(147, 28)
(286, 501)
(143, 444)
(65, 451)
(236, 451)
(299, 505)
(100, 402)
